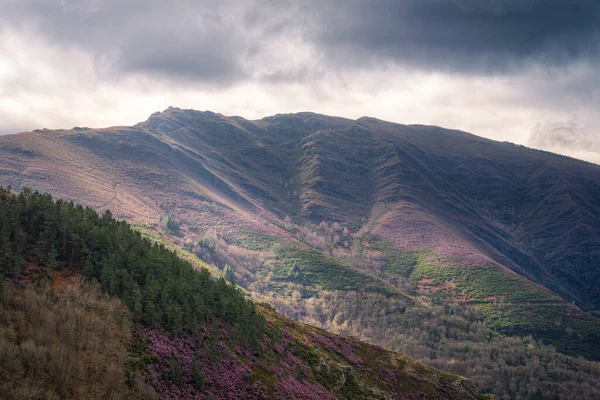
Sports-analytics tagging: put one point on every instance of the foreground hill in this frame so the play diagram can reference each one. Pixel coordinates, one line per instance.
(426, 240)
(187, 334)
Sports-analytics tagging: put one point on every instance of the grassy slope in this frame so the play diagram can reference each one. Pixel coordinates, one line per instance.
(486, 205)
(511, 304)
(355, 370)
(312, 269)
(172, 244)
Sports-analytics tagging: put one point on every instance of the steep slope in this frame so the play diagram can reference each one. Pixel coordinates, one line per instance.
(531, 211)
(378, 218)
(188, 335)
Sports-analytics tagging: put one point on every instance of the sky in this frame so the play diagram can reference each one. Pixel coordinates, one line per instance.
(524, 71)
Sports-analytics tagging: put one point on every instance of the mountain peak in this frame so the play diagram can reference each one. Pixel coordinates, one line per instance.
(315, 212)
(172, 117)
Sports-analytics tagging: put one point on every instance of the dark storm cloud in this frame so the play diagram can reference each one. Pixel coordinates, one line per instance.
(461, 35)
(223, 41)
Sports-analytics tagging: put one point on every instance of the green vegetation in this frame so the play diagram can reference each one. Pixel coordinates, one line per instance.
(397, 262)
(207, 244)
(157, 238)
(479, 283)
(173, 225)
(197, 374)
(161, 290)
(256, 241)
(229, 275)
(313, 268)
(511, 304)
(187, 333)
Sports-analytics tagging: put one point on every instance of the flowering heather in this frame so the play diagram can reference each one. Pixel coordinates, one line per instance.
(390, 376)
(341, 346)
(278, 348)
(287, 335)
(206, 367)
(378, 347)
(225, 376)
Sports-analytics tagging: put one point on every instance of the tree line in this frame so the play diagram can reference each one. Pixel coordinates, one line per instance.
(161, 290)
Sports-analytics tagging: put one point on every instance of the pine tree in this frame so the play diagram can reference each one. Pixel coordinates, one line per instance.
(41, 250)
(197, 374)
(175, 370)
(133, 298)
(229, 274)
(52, 261)
(173, 225)
(109, 279)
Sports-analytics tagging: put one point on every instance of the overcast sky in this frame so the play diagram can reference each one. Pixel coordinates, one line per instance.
(526, 71)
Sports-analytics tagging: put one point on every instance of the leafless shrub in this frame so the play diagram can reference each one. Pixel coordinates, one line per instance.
(65, 341)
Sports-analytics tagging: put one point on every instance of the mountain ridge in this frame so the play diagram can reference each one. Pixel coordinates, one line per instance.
(295, 203)
(316, 157)
(174, 113)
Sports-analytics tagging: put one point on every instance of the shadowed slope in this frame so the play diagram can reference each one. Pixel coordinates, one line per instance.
(517, 214)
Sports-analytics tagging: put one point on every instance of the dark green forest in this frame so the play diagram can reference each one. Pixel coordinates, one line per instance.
(160, 289)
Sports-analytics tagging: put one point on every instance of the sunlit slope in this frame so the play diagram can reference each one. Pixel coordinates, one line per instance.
(480, 213)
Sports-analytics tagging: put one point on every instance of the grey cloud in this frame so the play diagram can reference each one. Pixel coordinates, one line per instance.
(209, 55)
(564, 136)
(223, 41)
(186, 39)
(460, 35)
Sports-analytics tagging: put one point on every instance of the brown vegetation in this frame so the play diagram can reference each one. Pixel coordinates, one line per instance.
(64, 341)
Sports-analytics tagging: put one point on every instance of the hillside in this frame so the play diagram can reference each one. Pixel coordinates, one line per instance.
(183, 334)
(417, 238)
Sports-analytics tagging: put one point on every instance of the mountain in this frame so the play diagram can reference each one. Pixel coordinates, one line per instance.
(165, 330)
(414, 237)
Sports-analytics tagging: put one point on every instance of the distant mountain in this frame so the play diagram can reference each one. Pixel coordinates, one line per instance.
(349, 224)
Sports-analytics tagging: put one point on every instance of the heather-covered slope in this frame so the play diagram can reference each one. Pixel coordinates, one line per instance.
(420, 187)
(306, 210)
(188, 335)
